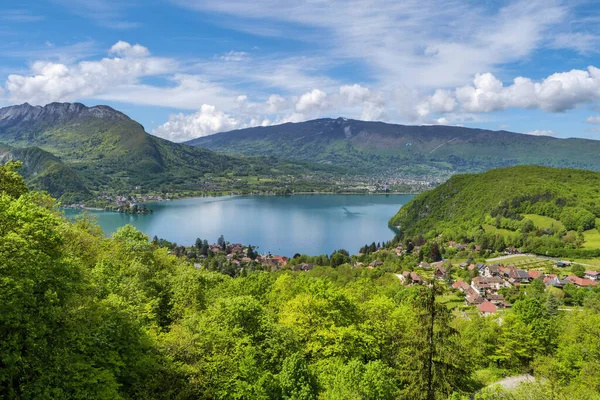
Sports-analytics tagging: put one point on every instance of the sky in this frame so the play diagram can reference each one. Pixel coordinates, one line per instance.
(191, 68)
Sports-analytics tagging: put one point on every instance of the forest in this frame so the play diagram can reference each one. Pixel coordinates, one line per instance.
(536, 209)
(83, 316)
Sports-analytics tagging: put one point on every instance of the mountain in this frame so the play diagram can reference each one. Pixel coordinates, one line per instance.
(44, 171)
(108, 151)
(509, 201)
(377, 148)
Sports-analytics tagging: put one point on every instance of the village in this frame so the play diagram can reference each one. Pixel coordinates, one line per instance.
(479, 286)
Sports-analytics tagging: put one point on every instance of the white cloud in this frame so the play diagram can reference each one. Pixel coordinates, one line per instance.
(355, 94)
(206, 121)
(372, 104)
(593, 119)
(50, 81)
(541, 132)
(435, 43)
(315, 100)
(275, 103)
(235, 56)
(124, 49)
(558, 92)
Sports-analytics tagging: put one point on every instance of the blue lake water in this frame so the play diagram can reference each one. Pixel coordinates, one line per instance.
(310, 224)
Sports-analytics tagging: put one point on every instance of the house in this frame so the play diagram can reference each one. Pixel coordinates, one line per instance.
(487, 308)
(533, 274)
(473, 299)
(519, 275)
(461, 285)
(440, 273)
(555, 282)
(491, 270)
(581, 282)
(593, 275)
(496, 283)
(413, 276)
(277, 261)
(307, 267)
(495, 299)
(480, 285)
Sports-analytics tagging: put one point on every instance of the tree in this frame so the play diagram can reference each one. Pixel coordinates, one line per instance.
(11, 183)
(295, 380)
(434, 367)
(221, 242)
(578, 270)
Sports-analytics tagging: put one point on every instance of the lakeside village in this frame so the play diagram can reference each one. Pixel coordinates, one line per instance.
(471, 283)
(132, 201)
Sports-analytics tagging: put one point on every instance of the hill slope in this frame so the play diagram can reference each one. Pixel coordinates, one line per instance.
(43, 171)
(375, 147)
(506, 198)
(109, 151)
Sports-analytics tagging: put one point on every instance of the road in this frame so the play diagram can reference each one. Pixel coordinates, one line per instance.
(513, 381)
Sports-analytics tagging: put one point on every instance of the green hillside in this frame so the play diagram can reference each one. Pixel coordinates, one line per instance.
(105, 150)
(378, 148)
(43, 171)
(522, 199)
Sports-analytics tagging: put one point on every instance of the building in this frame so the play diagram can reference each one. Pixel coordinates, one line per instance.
(487, 308)
(593, 275)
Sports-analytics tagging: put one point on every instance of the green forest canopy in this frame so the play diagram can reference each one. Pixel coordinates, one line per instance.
(88, 317)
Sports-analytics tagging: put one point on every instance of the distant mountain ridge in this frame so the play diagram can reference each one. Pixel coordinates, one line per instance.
(376, 147)
(107, 151)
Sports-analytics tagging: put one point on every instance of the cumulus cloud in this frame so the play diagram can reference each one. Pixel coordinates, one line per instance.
(275, 103)
(125, 49)
(593, 119)
(208, 120)
(372, 104)
(50, 81)
(558, 92)
(442, 101)
(314, 100)
(542, 132)
(355, 94)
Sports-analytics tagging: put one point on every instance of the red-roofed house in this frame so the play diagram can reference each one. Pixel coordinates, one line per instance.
(581, 282)
(487, 308)
(533, 274)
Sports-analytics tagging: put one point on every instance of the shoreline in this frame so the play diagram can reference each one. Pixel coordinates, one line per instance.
(283, 195)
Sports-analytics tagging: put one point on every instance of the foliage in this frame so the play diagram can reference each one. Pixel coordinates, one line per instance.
(489, 208)
(84, 316)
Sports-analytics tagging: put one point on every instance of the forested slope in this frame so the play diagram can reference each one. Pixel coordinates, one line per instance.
(88, 317)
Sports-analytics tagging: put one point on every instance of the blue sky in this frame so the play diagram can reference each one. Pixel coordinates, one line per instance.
(189, 68)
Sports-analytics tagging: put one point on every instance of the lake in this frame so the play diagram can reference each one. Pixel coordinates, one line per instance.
(284, 225)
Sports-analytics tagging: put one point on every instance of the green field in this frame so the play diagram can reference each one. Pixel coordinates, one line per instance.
(544, 222)
(499, 231)
(592, 239)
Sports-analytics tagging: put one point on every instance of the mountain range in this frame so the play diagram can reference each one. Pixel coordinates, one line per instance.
(76, 152)
(378, 148)
(72, 150)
